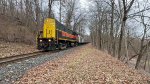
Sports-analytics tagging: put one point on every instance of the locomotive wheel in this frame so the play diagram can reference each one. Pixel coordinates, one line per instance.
(62, 46)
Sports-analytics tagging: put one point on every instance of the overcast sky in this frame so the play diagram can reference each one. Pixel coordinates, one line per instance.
(84, 3)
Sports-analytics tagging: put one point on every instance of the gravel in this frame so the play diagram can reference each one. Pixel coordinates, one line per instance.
(14, 71)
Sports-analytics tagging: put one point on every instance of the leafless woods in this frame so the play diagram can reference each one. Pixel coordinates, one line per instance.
(122, 28)
(27, 17)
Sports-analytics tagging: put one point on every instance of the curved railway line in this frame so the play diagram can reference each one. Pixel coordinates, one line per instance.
(28, 55)
(22, 56)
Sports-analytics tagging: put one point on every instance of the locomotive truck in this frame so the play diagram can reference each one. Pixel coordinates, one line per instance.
(56, 36)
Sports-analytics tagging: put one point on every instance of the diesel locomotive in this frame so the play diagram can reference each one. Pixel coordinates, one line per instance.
(56, 36)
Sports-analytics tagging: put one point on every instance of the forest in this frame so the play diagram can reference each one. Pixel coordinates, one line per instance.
(118, 27)
(27, 17)
(121, 27)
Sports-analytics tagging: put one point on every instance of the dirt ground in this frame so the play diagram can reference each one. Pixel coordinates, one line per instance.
(10, 49)
(85, 65)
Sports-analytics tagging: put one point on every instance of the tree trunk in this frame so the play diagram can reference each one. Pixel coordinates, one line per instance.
(50, 8)
(121, 37)
(112, 27)
(60, 11)
(142, 47)
(37, 11)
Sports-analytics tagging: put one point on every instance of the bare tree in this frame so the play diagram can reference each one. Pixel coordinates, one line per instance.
(112, 44)
(70, 11)
(126, 8)
(50, 8)
(141, 52)
(37, 11)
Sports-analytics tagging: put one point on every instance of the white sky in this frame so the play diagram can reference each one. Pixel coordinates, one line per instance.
(84, 3)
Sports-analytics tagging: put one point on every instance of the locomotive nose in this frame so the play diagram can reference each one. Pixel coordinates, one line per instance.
(42, 44)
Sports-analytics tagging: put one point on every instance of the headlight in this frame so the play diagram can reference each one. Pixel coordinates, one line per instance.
(49, 40)
(40, 40)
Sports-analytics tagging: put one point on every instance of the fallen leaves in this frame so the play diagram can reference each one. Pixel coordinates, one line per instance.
(83, 66)
(11, 49)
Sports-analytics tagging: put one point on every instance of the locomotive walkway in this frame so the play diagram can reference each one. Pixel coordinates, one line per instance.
(85, 65)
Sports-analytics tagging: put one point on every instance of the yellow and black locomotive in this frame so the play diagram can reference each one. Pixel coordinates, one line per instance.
(55, 36)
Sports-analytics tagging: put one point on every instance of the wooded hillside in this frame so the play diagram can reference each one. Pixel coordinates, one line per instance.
(121, 27)
(22, 19)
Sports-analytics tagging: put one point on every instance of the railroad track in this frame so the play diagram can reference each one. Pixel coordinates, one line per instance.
(28, 55)
(22, 56)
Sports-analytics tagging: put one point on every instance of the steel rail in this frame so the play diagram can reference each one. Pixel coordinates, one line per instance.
(18, 57)
(28, 55)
